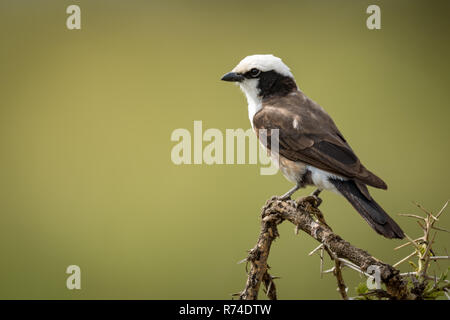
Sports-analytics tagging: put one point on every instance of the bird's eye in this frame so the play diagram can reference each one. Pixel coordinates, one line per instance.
(255, 72)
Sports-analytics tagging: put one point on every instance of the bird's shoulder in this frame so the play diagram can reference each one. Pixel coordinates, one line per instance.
(295, 114)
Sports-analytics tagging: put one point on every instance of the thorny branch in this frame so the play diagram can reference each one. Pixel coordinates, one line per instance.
(306, 217)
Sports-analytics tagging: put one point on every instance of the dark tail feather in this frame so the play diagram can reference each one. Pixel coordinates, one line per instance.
(375, 216)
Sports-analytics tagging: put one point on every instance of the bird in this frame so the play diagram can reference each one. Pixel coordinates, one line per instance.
(311, 149)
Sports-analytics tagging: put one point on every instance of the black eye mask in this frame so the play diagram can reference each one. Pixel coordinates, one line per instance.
(273, 83)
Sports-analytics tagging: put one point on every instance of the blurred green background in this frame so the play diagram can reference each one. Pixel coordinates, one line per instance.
(86, 117)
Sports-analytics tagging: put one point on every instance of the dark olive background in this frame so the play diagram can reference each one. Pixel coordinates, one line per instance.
(86, 117)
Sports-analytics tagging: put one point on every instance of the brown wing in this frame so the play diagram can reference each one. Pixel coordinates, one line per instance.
(308, 134)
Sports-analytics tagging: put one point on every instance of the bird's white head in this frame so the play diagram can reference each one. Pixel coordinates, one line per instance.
(264, 63)
(261, 76)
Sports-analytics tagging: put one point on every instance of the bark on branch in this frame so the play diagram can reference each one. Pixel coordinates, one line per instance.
(301, 213)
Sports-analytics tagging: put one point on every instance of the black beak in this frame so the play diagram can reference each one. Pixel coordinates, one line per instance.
(233, 77)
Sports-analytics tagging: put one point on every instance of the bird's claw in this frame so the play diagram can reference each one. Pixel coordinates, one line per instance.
(313, 200)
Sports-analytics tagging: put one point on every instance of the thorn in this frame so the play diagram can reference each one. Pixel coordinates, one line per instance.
(421, 208)
(412, 216)
(442, 210)
(406, 244)
(329, 270)
(421, 226)
(319, 247)
(404, 259)
(440, 229)
(412, 241)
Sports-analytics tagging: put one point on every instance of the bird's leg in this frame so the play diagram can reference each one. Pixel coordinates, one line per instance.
(315, 194)
(288, 194)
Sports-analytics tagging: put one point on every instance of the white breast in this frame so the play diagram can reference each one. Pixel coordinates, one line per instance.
(250, 89)
(253, 108)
